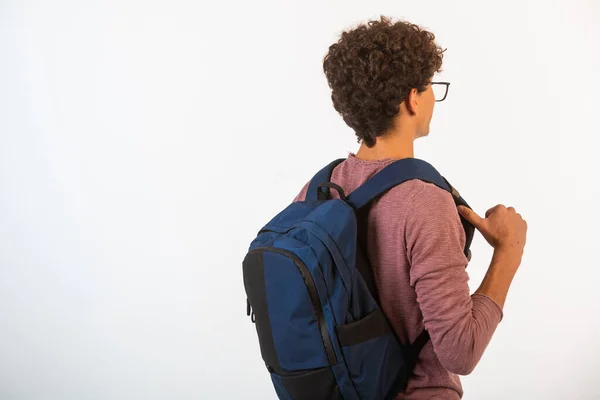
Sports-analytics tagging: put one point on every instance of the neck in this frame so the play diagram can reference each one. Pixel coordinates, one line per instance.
(396, 144)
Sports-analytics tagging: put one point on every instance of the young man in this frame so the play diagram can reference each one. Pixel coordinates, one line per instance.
(381, 80)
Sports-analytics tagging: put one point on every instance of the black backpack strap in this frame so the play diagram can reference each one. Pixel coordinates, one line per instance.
(420, 342)
(411, 352)
(401, 171)
(322, 177)
(411, 355)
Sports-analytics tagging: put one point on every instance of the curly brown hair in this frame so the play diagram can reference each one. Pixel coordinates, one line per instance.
(373, 67)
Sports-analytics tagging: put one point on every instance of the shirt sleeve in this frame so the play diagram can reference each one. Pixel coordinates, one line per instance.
(460, 325)
(302, 195)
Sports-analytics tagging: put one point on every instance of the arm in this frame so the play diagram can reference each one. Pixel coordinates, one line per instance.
(499, 276)
(460, 325)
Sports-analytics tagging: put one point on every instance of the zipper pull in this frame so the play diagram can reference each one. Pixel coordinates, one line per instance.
(250, 311)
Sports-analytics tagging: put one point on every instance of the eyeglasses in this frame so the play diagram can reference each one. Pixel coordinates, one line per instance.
(440, 90)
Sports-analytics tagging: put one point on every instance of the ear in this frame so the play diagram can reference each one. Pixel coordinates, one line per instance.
(412, 101)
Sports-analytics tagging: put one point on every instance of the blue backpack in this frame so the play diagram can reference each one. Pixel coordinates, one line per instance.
(311, 293)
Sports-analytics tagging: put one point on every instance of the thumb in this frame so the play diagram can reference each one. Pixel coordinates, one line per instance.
(470, 216)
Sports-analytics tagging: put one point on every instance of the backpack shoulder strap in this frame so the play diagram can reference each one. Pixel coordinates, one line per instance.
(394, 174)
(401, 171)
(321, 177)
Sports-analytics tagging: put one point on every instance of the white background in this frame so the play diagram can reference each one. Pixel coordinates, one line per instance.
(143, 144)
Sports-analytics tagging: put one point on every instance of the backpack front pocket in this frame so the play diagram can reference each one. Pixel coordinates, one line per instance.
(373, 355)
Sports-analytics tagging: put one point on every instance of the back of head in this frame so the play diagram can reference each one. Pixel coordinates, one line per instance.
(373, 67)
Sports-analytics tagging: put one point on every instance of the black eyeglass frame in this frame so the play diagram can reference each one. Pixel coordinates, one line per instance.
(447, 84)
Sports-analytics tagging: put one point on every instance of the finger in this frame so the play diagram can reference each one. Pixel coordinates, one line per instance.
(491, 210)
(470, 216)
